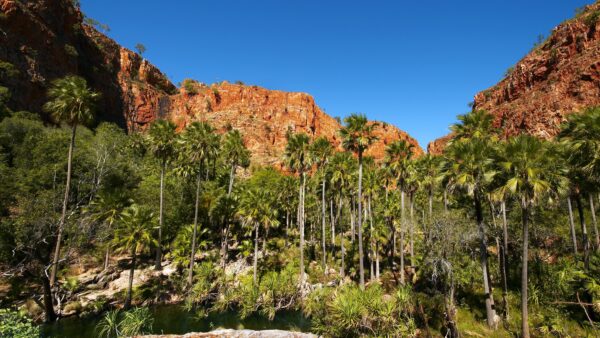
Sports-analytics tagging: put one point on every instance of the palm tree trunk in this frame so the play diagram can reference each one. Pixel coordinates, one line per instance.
(301, 226)
(371, 237)
(131, 272)
(360, 241)
(430, 203)
(594, 223)
(352, 220)
(524, 310)
(585, 239)
(157, 263)
(106, 257)
(193, 254)
(572, 225)
(323, 223)
(377, 270)
(402, 277)
(412, 233)
(61, 223)
(332, 221)
(255, 258)
(48, 307)
(446, 201)
(504, 260)
(489, 299)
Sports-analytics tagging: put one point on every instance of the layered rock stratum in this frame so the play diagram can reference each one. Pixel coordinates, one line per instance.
(558, 77)
(47, 39)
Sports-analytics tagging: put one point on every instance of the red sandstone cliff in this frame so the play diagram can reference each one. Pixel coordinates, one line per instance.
(557, 78)
(46, 39)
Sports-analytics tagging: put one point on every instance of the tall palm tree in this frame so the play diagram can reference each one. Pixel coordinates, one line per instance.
(236, 155)
(258, 209)
(530, 174)
(297, 158)
(471, 163)
(320, 151)
(161, 142)
(398, 156)
(199, 143)
(475, 124)
(357, 136)
(342, 167)
(106, 209)
(133, 234)
(71, 101)
(428, 168)
(581, 135)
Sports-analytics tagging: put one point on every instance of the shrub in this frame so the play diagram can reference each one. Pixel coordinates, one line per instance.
(190, 86)
(13, 324)
(71, 50)
(125, 324)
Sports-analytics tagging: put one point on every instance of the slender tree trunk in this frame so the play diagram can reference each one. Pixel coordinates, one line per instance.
(332, 220)
(489, 300)
(412, 233)
(287, 227)
(323, 223)
(352, 220)
(106, 257)
(158, 263)
(446, 201)
(193, 254)
(48, 307)
(430, 203)
(61, 222)
(524, 310)
(594, 223)
(377, 270)
(572, 225)
(231, 178)
(402, 222)
(301, 226)
(131, 272)
(255, 258)
(585, 239)
(372, 238)
(504, 260)
(360, 239)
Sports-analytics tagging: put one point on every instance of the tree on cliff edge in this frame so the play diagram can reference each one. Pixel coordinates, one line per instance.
(71, 102)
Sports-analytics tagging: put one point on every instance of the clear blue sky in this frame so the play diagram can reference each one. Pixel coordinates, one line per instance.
(415, 64)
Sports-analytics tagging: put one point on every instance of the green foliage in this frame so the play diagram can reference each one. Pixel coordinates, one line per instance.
(71, 51)
(129, 323)
(190, 86)
(140, 48)
(13, 324)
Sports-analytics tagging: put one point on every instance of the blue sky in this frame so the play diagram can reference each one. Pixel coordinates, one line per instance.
(415, 64)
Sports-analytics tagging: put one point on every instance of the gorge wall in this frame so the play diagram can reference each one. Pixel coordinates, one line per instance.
(42, 40)
(558, 77)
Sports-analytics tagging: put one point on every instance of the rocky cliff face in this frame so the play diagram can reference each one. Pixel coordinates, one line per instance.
(559, 77)
(46, 39)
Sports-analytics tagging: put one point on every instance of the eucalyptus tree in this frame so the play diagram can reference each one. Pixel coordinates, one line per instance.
(472, 164)
(133, 234)
(357, 135)
(199, 143)
(531, 173)
(71, 101)
(298, 160)
(161, 140)
(398, 160)
(320, 151)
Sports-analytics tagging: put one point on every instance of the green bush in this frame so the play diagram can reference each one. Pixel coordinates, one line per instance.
(190, 86)
(13, 324)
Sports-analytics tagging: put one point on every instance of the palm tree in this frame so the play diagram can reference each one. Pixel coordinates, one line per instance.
(342, 167)
(530, 174)
(296, 154)
(258, 208)
(236, 155)
(161, 141)
(357, 136)
(398, 155)
(581, 136)
(72, 102)
(320, 151)
(106, 209)
(200, 143)
(471, 164)
(475, 124)
(428, 168)
(133, 234)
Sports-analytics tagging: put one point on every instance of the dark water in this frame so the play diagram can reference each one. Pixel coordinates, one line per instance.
(173, 319)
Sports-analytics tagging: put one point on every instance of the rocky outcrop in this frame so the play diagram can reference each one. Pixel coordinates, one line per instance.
(47, 39)
(223, 333)
(558, 77)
